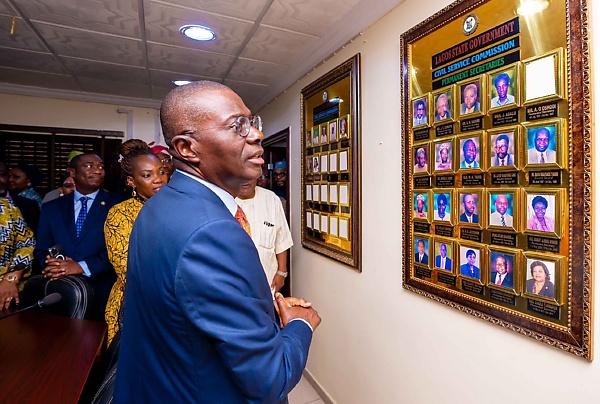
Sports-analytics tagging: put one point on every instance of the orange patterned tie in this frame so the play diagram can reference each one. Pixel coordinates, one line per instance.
(241, 218)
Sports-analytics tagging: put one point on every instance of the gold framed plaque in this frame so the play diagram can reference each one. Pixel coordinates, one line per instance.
(499, 178)
(331, 155)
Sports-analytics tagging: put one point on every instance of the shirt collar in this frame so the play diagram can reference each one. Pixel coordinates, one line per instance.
(78, 195)
(223, 195)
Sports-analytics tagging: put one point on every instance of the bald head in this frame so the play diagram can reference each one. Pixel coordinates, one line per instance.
(185, 106)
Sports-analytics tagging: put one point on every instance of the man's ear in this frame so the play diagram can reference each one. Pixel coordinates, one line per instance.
(71, 172)
(186, 147)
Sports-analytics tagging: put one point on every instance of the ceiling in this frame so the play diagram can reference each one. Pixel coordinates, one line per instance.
(129, 51)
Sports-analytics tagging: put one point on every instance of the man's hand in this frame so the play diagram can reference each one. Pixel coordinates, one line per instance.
(57, 268)
(8, 292)
(292, 308)
(277, 283)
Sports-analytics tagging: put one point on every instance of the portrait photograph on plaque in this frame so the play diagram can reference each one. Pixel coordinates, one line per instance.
(324, 139)
(308, 221)
(316, 221)
(308, 165)
(544, 211)
(443, 250)
(470, 258)
(421, 251)
(344, 228)
(344, 155)
(344, 127)
(420, 111)
(543, 77)
(421, 205)
(443, 155)
(316, 192)
(503, 148)
(324, 223)
(421, 159)
(513, 93)
(344, 193)
(316, 164)
(503, 209)
(542, 277)
(469, 97)
(469, 208)
(443, 102)
(308, 192)
(544, 144)
(442, 205)
(316, 136)
(502, 267)
(308, 140)
(504, 86)
(470, 151)
(324, 193)
(333, 134)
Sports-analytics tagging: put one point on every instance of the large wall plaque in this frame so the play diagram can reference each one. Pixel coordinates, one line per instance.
(496, 151)
(331, 164)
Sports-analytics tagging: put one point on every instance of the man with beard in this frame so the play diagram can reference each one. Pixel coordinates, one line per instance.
(540, 153)
(503, 157)
(502, 84)
(440, 213)
(76, 222)
(469, 155)
(445, 161)
(420, 116)
(469, 216)
(421, 212)
(421, 158)
(501, 276)
(469, 269)
(470, 104)
(500, 217)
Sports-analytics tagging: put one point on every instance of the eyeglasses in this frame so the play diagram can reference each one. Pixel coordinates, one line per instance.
(243, 124)
(262, 177)
(280, 174)
(166, 160)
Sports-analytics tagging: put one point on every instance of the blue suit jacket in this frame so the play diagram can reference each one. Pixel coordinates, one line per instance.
(57, 226)
(438, 262)
(199, 319)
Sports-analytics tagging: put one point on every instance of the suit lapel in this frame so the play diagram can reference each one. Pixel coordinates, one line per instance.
(68, 216)
(94, 214)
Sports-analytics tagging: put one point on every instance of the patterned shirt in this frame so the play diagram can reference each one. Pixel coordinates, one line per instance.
(16, 239)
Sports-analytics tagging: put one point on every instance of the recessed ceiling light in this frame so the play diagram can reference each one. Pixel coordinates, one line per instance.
(181, 82)
(530, 7)
(197, 32)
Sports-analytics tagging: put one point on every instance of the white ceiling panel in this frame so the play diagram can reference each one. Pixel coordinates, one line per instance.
(188, 61)
(308, 16)
(108, 87)
(277, 46)
(163, 24)
(106, 71)
(165, 79)
(247, 91)
(87, 45)
(119, 17)
(247, 10)
(255, 71)
(38, 79)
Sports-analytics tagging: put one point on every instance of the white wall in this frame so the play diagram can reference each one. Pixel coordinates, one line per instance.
(379, 343)
(37, 111)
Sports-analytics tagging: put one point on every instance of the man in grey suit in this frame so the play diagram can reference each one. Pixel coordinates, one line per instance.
(503, 157)
(470, 104)
(540, 154)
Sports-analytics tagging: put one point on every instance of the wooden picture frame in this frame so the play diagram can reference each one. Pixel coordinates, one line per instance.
(477, 41)
(331, 107)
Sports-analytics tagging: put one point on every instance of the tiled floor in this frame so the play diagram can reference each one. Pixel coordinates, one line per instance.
(304, 393)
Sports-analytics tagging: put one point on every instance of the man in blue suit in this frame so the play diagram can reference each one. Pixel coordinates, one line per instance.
(200, 324)
(442, 261)
(85, 251)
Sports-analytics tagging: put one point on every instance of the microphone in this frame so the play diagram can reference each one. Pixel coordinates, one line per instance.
(49, 300)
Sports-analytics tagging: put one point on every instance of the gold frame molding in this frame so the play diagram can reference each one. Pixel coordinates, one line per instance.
(576, 337)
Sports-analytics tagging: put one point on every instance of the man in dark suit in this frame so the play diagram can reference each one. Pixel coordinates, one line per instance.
(503, 157)
(200, 325)
(28, 207)
(421, 257)
(85, 251)
(501, 276)
(442, 261)
(469, 216)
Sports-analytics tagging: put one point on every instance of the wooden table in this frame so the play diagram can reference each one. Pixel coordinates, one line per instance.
(46, 358)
